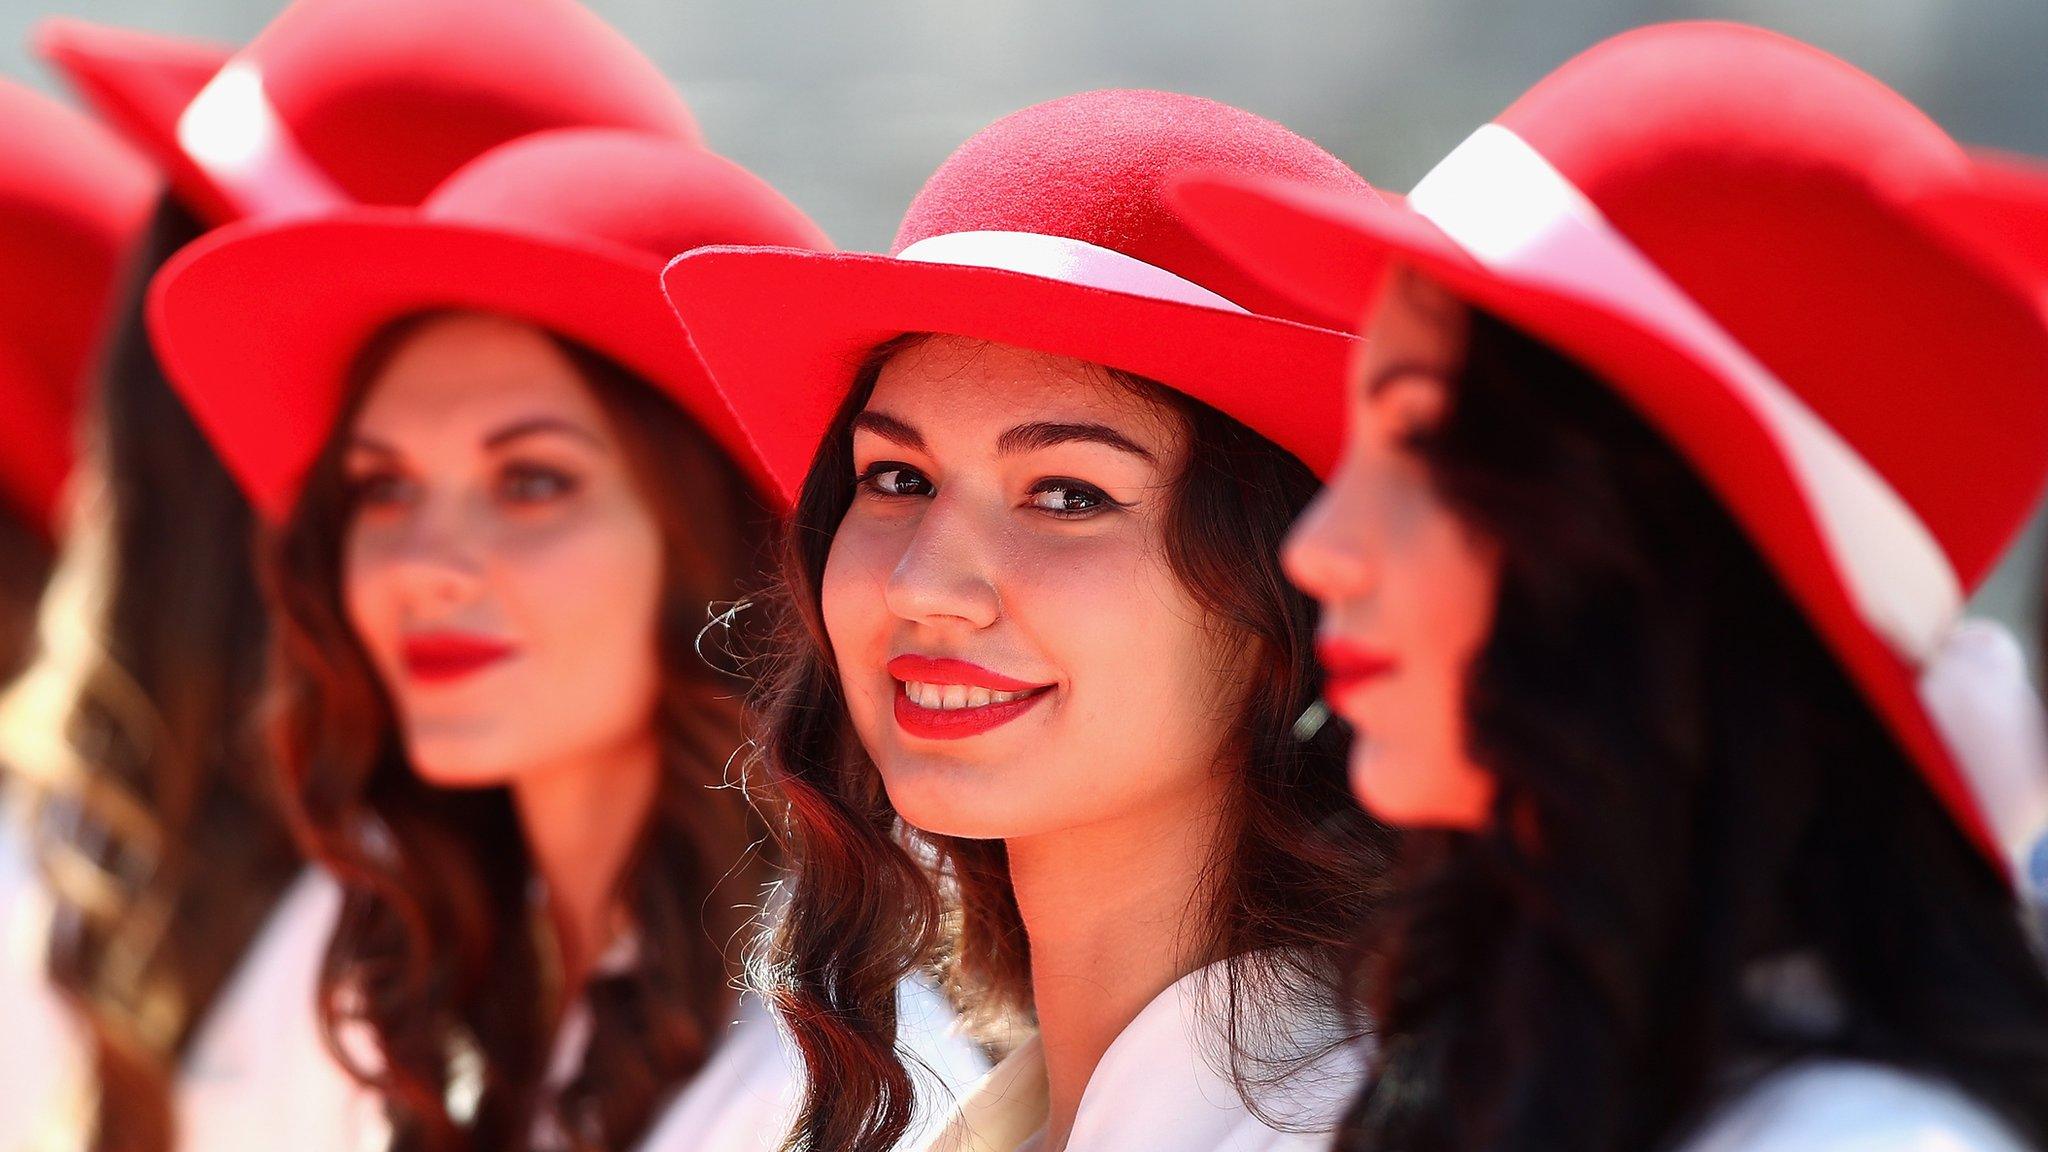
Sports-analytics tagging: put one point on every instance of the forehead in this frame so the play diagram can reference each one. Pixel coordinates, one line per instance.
(467, 372)
(952, 385)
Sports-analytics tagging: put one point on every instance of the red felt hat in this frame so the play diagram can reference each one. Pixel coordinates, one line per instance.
(2002, 212)
(360, 101)
(73, 200)
(1048, 230)
(1718, 221)
(259, 323)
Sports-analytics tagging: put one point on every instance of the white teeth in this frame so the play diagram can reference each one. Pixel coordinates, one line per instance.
(953, 697)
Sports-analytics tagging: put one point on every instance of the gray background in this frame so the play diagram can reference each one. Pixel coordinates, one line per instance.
(847, 106)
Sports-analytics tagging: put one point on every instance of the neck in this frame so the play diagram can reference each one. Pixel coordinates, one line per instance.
(1114, 913)
(582, 821)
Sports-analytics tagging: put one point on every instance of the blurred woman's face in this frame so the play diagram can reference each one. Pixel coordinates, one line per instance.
(1017, 655)
(1407, 591)
(500, 565)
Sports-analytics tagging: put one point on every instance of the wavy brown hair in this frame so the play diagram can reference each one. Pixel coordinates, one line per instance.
(158, 831)
(1719, 812)
(439, 957)
(872, 900)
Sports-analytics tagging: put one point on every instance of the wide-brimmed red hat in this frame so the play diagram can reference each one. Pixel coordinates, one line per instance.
(259, 323)
(2002, 211)
(360, 101)
(1048, 230)
(1718, 222)
(73, 200)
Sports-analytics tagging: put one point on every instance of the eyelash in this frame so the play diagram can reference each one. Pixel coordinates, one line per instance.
(869, 481)
(385, 488)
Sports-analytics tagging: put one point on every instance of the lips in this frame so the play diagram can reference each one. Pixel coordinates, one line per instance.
(946, 699)
(1348, 666)
(443, 657)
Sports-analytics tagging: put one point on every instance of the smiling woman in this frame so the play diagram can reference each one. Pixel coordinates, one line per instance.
(1038, 707)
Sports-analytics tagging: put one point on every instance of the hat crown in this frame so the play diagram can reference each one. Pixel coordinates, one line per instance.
(73, 199)
(1772, 182)
(387, 97)
(1094, 167)
(648, 193)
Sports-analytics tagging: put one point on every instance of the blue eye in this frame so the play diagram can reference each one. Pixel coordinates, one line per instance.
(534, 484)
(1070, 499)
(889, 478)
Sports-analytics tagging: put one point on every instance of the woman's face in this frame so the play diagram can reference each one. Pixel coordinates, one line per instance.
(1017, 656)
(500, 565)
(1407, 592)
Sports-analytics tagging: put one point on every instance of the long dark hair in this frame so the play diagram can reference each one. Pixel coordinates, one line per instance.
(872, 900)
(1695, 806)
(438, 954)
(159, 833)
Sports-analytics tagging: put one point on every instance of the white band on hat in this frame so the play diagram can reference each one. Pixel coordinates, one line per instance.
(1976, 691)
(1517, 214)
(1068, 261)
(235, 136)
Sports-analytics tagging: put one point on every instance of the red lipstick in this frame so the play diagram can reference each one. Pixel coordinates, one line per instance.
(1347, 665)
(957, 723)
(440, 657)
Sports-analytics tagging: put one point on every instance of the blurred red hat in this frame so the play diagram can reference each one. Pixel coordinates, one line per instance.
(259, 323)
(1047, 230)
(73, 200)
(364, 101)
(1724, 225)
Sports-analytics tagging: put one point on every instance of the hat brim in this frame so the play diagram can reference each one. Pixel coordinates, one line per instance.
(2002, 213)
(260, 324)
(140, 83)
(784, 332)
(1304, 241)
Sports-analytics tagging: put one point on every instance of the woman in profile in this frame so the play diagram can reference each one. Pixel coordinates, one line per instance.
(1681, 435)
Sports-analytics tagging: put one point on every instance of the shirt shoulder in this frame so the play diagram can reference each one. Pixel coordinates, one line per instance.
(1840, 1105)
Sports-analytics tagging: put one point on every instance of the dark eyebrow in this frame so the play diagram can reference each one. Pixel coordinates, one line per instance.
(889, 428)
(1031, 437)
(539, 424)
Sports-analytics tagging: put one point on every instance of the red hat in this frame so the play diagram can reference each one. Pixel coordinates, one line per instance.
(2002, 211)
(1048, 230)
(1716, 220)
(73, 200)
(259, 323)
(365, 101)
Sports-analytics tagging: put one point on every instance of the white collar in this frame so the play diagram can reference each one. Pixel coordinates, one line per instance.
(1164, 1083)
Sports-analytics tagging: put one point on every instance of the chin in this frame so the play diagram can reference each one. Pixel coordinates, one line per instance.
(462, 761)
(1410, 792)
(953, 800)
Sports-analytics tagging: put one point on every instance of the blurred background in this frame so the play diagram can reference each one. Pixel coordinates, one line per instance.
(847, 105)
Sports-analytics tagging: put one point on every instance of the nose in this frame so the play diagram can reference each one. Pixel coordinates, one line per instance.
(946, 574)
(1326, 553)
(436, 560)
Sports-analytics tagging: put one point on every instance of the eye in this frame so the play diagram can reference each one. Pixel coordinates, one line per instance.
(1069, 499)
(888, 478)
(534, 484)
(382, 489)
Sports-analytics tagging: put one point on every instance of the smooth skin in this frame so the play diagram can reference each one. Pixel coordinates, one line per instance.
(492, 499)
(1011, 512)
(1399, 574)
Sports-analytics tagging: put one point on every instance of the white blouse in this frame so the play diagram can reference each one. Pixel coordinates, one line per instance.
(1852, 1106)
(1164, 1085)
(258, 1070)
(43, 1071)
(745, 1096)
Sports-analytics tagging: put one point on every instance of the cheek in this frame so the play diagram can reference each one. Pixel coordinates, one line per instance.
(853, 593)
(592, 594)
(367, 591)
